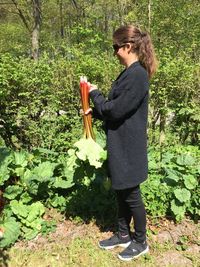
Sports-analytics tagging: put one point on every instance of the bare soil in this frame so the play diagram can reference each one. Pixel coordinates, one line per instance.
(170, 244)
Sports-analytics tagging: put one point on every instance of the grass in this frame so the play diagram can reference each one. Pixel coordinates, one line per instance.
(76, 245)
(81, 250)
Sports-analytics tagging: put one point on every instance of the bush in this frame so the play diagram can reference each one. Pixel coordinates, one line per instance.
(172, 188)
(32, 182)
(40, 102)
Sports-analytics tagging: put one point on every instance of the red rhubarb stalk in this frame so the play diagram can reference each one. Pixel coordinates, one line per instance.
(87, 119)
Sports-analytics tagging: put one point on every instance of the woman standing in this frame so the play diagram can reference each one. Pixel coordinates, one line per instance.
(125, 115)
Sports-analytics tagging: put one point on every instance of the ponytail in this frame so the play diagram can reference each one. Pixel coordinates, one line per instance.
(146, 54)
(141, 45)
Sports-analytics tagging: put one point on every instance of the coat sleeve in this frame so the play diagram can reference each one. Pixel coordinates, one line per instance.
(131, 91)
(96, 115)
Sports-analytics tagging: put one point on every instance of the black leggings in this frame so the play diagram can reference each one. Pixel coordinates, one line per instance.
(130, 205)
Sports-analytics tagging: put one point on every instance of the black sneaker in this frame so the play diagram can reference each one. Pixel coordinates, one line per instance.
(133, 251)
(115, 241)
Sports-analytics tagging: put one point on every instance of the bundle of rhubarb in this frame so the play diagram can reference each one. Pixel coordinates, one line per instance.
(87, 118)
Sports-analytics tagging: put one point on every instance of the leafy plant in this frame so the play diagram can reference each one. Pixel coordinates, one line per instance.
(38, 179)
(11, 232)
(182, 176)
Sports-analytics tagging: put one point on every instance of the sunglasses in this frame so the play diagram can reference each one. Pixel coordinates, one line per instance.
(116, 47)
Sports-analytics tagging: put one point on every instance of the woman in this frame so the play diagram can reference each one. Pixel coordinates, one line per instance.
(125, 115)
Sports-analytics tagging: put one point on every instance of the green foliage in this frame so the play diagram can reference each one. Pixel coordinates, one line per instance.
(76, 182)
(172, 187)
(92, 202)
(29, 217)
(174, 101)
(19, 37)
(40, 102)
(89, 150)
(182, 176)
(12, 191)
(155, 192)
(40, 179)
(11, 232)
(5, 159)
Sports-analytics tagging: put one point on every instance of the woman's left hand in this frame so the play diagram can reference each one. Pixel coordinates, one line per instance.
(92, 87)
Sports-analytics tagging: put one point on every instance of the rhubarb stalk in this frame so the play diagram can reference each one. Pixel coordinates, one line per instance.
(87, 119)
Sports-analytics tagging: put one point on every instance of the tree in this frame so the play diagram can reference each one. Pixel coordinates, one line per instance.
(36, 28)
(29, 11)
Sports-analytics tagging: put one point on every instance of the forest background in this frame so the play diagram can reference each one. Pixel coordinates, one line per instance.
(45, 46)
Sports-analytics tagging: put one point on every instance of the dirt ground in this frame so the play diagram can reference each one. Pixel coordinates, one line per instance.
(170, 244)
(181, 241)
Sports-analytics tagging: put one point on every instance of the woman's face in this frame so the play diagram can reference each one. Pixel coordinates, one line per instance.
(122, 52)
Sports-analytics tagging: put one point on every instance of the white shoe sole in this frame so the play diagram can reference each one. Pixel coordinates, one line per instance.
(125, 245)
(134, 257)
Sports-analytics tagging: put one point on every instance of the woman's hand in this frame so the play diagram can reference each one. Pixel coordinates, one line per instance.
(92, 87)
(88, 111)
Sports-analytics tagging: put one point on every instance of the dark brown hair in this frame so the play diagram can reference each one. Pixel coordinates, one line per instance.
(141, 44)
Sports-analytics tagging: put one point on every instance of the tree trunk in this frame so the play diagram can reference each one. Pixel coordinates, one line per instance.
(162, 127)
(36, 28)
(61, 19)
(149, 16)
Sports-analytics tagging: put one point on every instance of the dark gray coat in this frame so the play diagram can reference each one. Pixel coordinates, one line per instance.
(125, 116)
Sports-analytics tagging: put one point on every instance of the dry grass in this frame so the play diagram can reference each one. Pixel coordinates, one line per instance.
(76, 245)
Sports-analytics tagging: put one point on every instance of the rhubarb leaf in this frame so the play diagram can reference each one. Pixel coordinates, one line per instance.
(11, 232)
(89, 150)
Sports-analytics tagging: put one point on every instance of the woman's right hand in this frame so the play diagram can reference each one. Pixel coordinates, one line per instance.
(88, 111)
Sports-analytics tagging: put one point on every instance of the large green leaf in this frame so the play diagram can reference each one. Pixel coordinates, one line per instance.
(5, 160)
(57, 201)
(89, 150)
(32, 187)
(198, 169)
(183, 195)
(153, 165)
(177, 209)
(44, 171)
(5, 155)
(167, 157)
(19, 171)
(4, 174)
(71, 161)
(185, 159)
(19, 208)
(27, 176)
(35, 210)
(11, 233)
(107, 183)
(68, 172)
(190, 181)
(30, 233)
(35, 224)
(12, 191)
(20, 159)
(71, 165)
(25, 198)
(172, 174)
(61, 183)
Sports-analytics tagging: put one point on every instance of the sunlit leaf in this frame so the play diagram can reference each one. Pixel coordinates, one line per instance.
(183, 195)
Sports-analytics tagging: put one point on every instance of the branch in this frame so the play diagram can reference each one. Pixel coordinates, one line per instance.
(75, 4)
(37, 13)
(21, 16)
